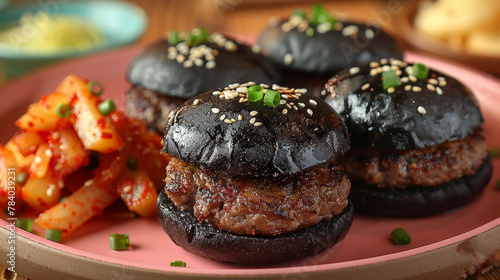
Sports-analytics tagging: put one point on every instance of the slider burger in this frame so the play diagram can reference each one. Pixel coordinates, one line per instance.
(417, 145)
(254, 177)
(310, 48)
(168, 72)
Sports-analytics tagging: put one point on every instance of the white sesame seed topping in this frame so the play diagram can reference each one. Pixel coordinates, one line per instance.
(383, 61)
(421, 110)
(353, 70)
(172, 49)
(187, 63)
(242, 100)
(228, 121)
(258, 124)
(255, 48)
(324, 27)
(350, 30)
(180, 58)
(264, 85)
(48, 153)
(284, 111)
(242, 89)
(196, 101)
(210, 64)
(172, 55)
(431, 87)
(222, 117)
(198, 62)
(215, 110)
(301, 90)
(373, 72)
(301, 105)
(282, 102)
(369, 34)
(412, 78)
(285, 27)
(313, 102)
(230, 46)
(289, 106)
(253, 113)
(240, 117)
(288, 59)
(310, 112)
(374, 64)
(386, 68)
(233, 86)
(439, 90)
(338, 25)
(408, 87)
(295, 108)
(394, 67)
(409, 70)
(390, 90)
(405, 80)
(433, 81)
(216, 92)
(442, 83)
(417, 89)
(252, 120)
(399, 72)
(365, 86)
(440, 78)
(233, 120)
(303, 25)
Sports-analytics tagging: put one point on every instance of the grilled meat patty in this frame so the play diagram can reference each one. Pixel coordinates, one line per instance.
(426, 167)
(258, 205)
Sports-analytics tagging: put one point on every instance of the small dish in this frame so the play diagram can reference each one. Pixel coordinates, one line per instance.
(121, 24)
(422, 43)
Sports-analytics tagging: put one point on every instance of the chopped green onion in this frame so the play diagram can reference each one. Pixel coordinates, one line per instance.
(189, 38)
(272, 98)
(299, 13)
(173, 37)
(310, 31)
(390, 79)
(95, 87)
(106, 107)
(25, 224)
(63, 110)
(494, 152)
(400, 236)
(420, 71)
(21, 177)
(132, 163)
(255, 93)
(53, 234)
(320, 15)
(118, 241)
(200, 35)
(178, 263)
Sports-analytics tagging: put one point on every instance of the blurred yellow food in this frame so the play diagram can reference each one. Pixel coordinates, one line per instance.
(465, 25)
(41, 33)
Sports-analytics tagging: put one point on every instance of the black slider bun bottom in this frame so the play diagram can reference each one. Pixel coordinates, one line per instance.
(420, 201)
(210, 242)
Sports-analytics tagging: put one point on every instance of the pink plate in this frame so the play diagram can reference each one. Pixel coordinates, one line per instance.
(444, 245)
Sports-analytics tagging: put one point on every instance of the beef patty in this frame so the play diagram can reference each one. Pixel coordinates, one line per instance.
(151, 107)
(263, 205)
(427, 167)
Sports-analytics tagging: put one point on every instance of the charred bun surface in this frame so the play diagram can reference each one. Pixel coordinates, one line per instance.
(415, 114)
(186, 71)
(240, 137)
(208, 241)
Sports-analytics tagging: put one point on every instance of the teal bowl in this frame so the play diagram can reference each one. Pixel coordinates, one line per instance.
(121, 24)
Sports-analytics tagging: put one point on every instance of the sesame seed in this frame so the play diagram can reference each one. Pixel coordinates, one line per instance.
(338, 26)
(417, 89)
(353, 70)
(349, 30)
(405, 80)
(440, 78)
(374, 64)
(252, 120)
(215, 110)
(180, 58)
(369, 34)
(439, 90)
(196, 101)
(373, 72)
(240, 117)
(301, 90)
(383, 61)
(210, 64)
(233, 86)
(399, 72)
(431, 87)
(288, 59)
(390, 90)
(324, 27)
(258, 124)
(253, 113)
(282, 102)
(48, 153)
(303, 25)
(394, 67)
(255, 48)
(310, 112)
(242, 89)
(313, 102)
(285, 27)
(408, 87)
(421, 110)
(284, 111)
(291, 103)
(222, 117)
(187, 63)
(198, 62)
(49, 192)
(442, 83)
(301, 105)
(230, 46)
(233, 120)
(365, 86)
(433, 81)
(310, 31)
(172, 55)
(409, 70)
(289, 106)
(227, 121)
(264, 85)
(295, 108)
(172, 49)
(412, 78)
(386, 68)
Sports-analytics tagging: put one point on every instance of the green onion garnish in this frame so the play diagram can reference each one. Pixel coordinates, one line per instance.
(25, 224)
(299, 13)
(255, 93)
(63, 110)
(400, 236)
(189, 38)
(106, 107)
(200, 35)
(420, 71)
(310, 31)
(320, 15)
(132, 163)
(178, 263)
(53, 234)
(21, 177)
(272, 98)
(173, 37)
(494, 152)
(118, 241)
(390, 79)
(95, 87)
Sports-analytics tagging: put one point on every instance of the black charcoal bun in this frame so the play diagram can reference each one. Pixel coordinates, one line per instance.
(345, 44)
(418, 114)
(208, 241)
(420, 201)
(164, 69)
(299, 133)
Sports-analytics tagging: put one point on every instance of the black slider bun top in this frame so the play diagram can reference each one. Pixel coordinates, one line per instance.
(239, 137)
(186, 71)
(417, 113)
